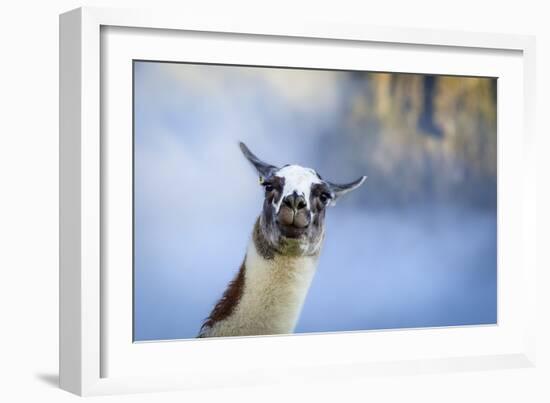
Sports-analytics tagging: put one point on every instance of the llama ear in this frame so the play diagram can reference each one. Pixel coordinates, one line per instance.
(340, 190)
(264, 169)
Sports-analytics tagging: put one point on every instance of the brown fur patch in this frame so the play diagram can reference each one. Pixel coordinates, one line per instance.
(227, 303)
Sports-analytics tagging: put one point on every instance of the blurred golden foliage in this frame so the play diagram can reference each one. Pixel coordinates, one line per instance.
(422, 138)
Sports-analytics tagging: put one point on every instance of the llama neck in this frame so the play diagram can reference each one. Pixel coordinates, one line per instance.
(270, 291)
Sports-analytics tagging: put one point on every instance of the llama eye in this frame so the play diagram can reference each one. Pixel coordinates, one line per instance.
(324, 197)
(268, 188)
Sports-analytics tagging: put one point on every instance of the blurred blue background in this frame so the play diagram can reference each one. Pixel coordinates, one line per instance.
(415, 246)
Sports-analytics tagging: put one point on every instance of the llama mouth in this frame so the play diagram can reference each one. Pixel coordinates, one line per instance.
(291, 231)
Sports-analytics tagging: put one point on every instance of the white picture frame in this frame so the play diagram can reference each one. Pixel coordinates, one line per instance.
(96, 354)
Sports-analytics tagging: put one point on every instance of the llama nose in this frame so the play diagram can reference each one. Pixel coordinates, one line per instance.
(295, 201)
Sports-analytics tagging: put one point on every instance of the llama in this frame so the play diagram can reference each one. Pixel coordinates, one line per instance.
(268, 291)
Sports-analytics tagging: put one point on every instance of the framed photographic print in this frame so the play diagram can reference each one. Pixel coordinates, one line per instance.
(244, 202)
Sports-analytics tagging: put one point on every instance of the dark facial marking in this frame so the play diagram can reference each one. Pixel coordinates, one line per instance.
(264, 248)
(320, 197)
(273, 187)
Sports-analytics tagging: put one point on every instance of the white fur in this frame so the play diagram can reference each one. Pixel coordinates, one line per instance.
(273, 296)
(297, 179)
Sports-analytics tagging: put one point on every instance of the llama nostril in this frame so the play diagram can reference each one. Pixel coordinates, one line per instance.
(287, 202)
(301, 203)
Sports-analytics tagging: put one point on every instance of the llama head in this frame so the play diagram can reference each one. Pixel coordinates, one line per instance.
(296, 198)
